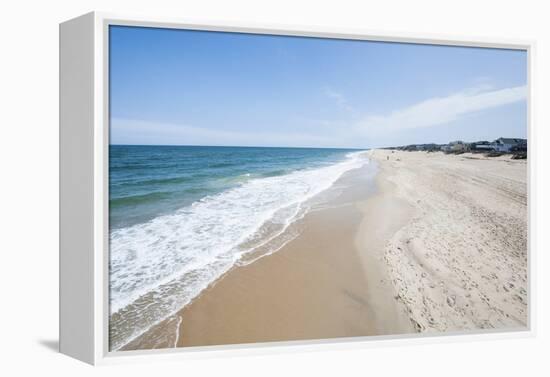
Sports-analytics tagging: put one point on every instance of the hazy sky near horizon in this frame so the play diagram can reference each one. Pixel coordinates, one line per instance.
(181, 87)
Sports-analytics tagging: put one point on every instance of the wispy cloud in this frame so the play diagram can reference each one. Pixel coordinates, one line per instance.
(441, 110)
(129, 131)
(366, 130)
(340, 99)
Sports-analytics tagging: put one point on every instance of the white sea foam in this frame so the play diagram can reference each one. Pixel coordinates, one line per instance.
(158, 267)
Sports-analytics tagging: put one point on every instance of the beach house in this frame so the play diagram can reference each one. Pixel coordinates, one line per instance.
(481, 146)
(458, 146)
(504, 144)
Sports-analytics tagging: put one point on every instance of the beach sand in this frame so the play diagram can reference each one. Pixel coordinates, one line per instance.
(433, 243)
(461, 262)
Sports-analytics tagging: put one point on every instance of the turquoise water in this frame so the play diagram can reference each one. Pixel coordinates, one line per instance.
(147, 181)
(181, 216)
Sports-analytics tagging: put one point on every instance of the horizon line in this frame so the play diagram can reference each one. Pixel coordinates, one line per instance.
(233, 146)
(298, 147)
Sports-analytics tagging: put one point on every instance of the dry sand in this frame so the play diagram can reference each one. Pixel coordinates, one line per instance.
(461, 262)
(440, 244)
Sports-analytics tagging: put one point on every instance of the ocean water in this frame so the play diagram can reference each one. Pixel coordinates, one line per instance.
(181, 216)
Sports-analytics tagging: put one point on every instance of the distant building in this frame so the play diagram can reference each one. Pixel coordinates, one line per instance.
(504, 144)
(482, 146)
(427, 147)
(458, 146)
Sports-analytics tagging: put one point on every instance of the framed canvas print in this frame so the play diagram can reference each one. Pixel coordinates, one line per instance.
(226, 187)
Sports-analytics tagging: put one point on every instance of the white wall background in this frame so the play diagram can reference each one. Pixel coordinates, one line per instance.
(29, 183)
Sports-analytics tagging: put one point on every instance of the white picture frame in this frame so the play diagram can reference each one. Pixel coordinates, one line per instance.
(84, 140)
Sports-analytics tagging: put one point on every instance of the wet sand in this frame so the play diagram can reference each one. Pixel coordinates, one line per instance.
(329, 282)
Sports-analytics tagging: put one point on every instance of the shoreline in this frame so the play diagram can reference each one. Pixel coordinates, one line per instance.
(315, 287)
(438, 245)
(160, 266)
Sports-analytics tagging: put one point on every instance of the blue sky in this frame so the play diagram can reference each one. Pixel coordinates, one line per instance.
(180, 87)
